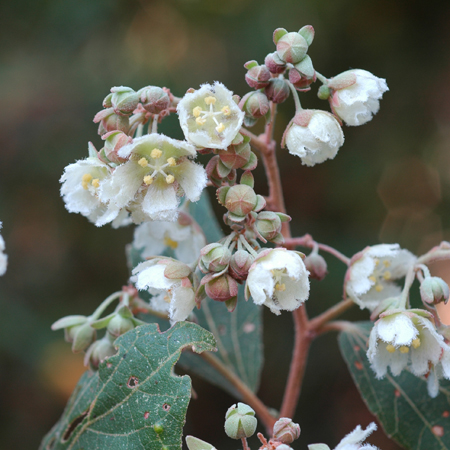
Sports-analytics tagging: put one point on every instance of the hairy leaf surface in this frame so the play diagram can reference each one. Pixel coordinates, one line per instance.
(134, 401)
(402, 404)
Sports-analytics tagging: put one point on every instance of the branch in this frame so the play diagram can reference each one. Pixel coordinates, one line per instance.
(330, 314)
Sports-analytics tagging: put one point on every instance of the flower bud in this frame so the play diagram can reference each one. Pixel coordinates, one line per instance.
(81, 336)
(114, 141)
(316, 265)
(240, 264)
(100, 350)
(285, 431)
(257, 76)
(300, 81)
(324, 92)
(292, 47)
(240, 421)
(274, 63)
(124, 100)
(268, 225)
(434, 290)
(277, 90)
(255, 104)
(119, 325)
(154, 99)
(241, 199)
(222, 288)
(214, 257)
(238, 156)
(110, 121)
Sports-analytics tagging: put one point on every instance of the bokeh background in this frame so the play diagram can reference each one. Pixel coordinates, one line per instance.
(390, 181)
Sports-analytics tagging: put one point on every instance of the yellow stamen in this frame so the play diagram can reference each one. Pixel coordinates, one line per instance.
(167, 299)
(377, 261)
(156, 153)
(280, 287)
(196, 111)
(85, 184)
(379, 287)
(226, 111)
(96, 182)
(390, 348)
(220, 127)
(148, 180)
(387, 275)
(86, 177)
(416, 343)
(170, 243)
(143, 162)
(373, 279)
(200, 121)
(404, 349)
(210, 100)
(386, 263)
(170, 179)
(171, 161)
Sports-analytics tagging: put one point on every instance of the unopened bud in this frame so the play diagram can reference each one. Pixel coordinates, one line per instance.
(222, 288)
(277, 90)
(214, 257)
(124, 100)
(434, 290)
(286, 431)
(240, 421)
(299, 80)
(110, 121)
(274, 63)
(236, 156)
(114, 141)
(316, 265)
(268, 225)
(292, 47)
(324, 92)
(119, 325)
(154, 99)
(385, 305)
(241, 199)
(240, 264)
(81, 336)
(255, 104)
(257, 76)
(100, 350)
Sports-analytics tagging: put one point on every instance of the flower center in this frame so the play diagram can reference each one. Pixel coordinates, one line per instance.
(380, 274)
(202, 116)
(157, 166)
(87, 179)
(170, 243)
(404, 348)
(278, 276)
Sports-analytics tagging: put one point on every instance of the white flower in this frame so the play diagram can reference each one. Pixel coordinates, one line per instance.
(401, 339)
(209, 117)
(184, 237)
(81, 183)
(353, 440)
(356, 96)
(438, 371)
(157, 172)
(3, 256)
(173, 295)
(278, 279)
(370, 277)
(315, 136)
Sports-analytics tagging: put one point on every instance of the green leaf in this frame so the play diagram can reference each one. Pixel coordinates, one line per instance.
(402, 404)
(238, 334)
(134, 401)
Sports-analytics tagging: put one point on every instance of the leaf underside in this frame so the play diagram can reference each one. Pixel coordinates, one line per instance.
(238, 334)
(134, 401)
(402, 404)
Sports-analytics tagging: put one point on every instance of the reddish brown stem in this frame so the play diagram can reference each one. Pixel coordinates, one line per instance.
(244, 444)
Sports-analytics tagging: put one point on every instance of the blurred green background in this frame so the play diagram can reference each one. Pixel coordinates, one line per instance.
(390, 181)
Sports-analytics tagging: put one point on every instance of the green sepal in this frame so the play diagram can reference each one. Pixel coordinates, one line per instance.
(318, 447)
(235, 217)
(249, 64)
(248, 179)
(125, 312)
(92, 151)
(238, 139)
(278, 34)
(260, 204)
(222, 169)
(68, 321)
(284, 217)
(221, 193)
(278, 239)
(308, 33)
(177, 270)
(249, 121)
(252, 162)
(305, 67)
(103, 322)
(231, 304)
(194, 443)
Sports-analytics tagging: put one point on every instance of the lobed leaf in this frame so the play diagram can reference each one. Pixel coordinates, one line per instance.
(134, 400)
(402, 404)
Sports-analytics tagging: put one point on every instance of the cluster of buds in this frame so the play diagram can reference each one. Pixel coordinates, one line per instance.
(81, 331)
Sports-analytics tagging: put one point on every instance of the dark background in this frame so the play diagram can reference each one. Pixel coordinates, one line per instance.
(389, 182)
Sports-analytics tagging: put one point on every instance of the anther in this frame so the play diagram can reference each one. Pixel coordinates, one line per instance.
(226, 111)
(171, 161)
(85, 185)
(170, 179)
(373, 279)
(200, 121)
(404, 349)
(96, 182)
(156, 153)
(386, 263)
(170, 243)
(196, 111)
(86, 177)
(143, 162)
(148, 180)
(280, 287)
(220, 127)
(387, 275)
(416, 343)
(210, 100)
(379, 287)
(390, 348)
